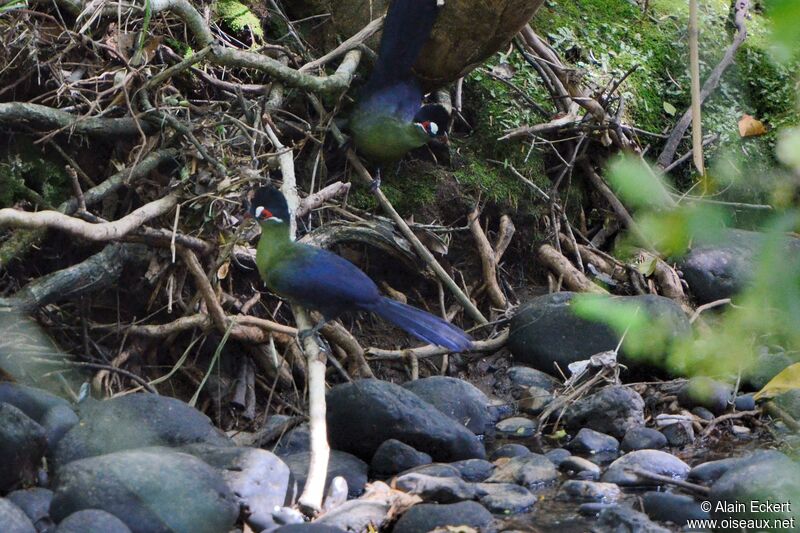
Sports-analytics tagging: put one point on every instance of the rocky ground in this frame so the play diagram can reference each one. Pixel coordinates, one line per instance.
(597, 453)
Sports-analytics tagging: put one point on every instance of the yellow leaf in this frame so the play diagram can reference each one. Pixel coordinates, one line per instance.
(751, 127)
(787, 379)
(647, 266)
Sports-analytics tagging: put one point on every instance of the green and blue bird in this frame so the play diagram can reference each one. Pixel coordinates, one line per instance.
(389, 119)
(321, 280)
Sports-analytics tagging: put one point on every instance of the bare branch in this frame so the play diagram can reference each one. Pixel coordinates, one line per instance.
(574, 279)
(105, 231)
(18, 115)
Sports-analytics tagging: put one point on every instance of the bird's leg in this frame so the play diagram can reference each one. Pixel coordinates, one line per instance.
(376, 180)
(313, 332)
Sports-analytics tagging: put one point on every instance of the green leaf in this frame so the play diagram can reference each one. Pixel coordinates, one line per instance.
(638, 184)
(670, 109)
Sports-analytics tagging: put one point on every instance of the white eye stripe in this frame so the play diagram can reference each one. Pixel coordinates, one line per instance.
(258, 211)
(434, 128)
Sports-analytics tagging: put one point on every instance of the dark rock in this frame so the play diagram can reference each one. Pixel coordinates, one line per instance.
(296, 440)
(721, 269)
(499, 409)
(595, 508)
(789, 401)
(22, 446)
(357, 515)
(152, 490)
(612, 410)
(135, 421)
(745, 402)
(92, 521)
(579, 465)
(426, 517)
(387, 411)
(350, 467)
(653, 461)
(510, 450)
(529, 471)
(763, 477)
(523, 377)
(13, 519)
(642, 438)
(707, 473)
(308, 528)
(474, 469)
(336, 494)
(705, 392)
(543, 330)
(35, 503)
(458, 399)
(394, 456)
(592, 442)
(260, 480)
(624, 518)
(533, 400)
(765, 367)
(579, 490)
(675, 508)
(435, 469)
(679, 434)
(57, 422)
(703, 413)
(518, 427)
(435, 489)
(53, 413)
(558, 455)
(505, 498)
(283, 516)
(32, 401)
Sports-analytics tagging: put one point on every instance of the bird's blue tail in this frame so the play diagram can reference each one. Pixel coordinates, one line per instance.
(424, 326)
(406, 29)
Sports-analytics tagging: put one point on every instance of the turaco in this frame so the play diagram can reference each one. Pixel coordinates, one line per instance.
(321, 280)
(389, 119)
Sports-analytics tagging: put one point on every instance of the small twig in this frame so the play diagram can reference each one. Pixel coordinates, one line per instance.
(777, 412)
(667, 480)
(728, 416)
(430, 350)
(365, 33)
(706, 307)
(76, 187)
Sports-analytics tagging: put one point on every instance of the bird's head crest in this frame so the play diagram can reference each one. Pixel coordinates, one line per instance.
(269, 205)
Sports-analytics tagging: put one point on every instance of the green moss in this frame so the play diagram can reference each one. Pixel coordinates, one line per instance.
(412, 188)
(496, 108)
(25, 173)
(605, 38)
(238, 17)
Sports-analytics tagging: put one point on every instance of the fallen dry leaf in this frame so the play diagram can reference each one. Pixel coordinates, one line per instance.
(751, 127)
